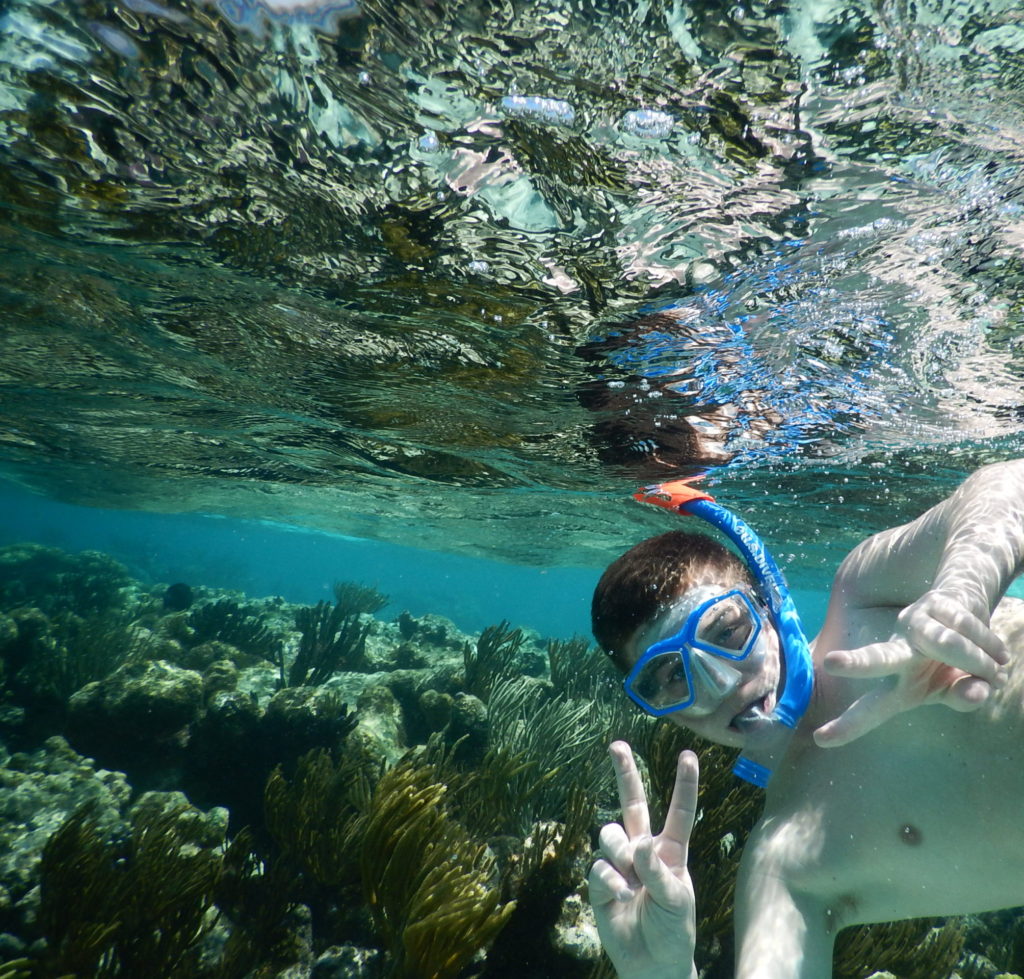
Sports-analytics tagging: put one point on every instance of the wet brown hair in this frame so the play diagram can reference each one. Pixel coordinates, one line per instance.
(649, 576)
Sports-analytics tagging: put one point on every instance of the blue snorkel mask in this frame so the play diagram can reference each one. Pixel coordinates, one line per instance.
(767, 741)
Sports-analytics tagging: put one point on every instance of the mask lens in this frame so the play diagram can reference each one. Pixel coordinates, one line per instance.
(726, 625)
(662, 682)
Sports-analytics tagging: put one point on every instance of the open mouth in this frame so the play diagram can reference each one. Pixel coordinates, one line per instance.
(758, 712)
(755, 714)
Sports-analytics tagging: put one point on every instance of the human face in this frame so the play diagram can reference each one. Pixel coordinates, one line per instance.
(710, 662)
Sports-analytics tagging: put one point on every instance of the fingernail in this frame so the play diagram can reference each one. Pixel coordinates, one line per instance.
(624, 895)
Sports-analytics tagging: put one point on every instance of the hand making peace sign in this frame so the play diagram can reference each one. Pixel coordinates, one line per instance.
(640, 888)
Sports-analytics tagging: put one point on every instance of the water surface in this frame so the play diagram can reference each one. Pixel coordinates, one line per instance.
(461, 275)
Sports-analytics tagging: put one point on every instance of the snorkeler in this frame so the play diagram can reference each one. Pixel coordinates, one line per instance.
(879, 805)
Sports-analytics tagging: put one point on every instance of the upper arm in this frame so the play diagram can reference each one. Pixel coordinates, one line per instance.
(783, 930)
(894, 567)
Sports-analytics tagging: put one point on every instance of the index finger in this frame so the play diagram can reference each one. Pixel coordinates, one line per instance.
(877, 659)
(963, 641)
(636, 820)
(682, 807)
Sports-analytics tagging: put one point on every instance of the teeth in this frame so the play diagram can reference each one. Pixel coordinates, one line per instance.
(753, 717)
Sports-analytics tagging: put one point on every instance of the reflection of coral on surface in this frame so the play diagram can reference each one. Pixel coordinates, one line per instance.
(420, 804)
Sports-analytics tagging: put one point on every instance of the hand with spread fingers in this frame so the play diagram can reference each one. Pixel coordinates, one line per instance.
(941, 653)
(640, 887)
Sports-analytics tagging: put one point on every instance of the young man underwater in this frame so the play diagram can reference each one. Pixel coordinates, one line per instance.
(891, 747)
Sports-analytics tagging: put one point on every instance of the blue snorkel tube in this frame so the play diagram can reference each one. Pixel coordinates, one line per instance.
(767, 743)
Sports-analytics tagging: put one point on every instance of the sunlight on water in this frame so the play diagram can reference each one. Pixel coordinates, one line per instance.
(466, 273)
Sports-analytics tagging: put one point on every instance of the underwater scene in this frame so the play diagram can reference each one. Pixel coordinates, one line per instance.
(335, 338)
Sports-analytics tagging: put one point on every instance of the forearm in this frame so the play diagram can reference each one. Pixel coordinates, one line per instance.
(984, 549)
(971, 545)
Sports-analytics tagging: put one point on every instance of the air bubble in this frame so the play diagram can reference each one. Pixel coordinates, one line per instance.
(428, 142)
(647, 123)
(533, 106)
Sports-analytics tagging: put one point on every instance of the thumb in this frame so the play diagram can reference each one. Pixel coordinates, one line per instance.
(966, 694)
(663, 886)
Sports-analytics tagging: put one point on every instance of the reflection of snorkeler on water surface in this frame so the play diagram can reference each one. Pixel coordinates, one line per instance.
(784, 353)
(773, 358)
(676, 394)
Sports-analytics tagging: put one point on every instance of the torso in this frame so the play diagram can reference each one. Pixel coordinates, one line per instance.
(938, 830)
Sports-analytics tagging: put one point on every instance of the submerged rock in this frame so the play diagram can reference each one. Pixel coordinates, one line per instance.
(379, 731)
(468, 726)
(38, 791)
(436, 708)
(300, 718)
(86, 583)
(8, 630)
(220, 676)
(151, 701)
(575, 932)
(203, 655)
(348, 962)
(197, 828)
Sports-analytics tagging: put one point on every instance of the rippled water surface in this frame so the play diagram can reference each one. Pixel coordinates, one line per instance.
(462, 274)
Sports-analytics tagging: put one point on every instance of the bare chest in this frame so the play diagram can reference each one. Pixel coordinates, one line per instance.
(933, 829)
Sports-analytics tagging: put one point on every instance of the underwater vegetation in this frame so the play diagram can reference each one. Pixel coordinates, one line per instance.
(431, 889)
(228, 622)
(491, 658)
(129, 901)
(333, 637)
(297, 791)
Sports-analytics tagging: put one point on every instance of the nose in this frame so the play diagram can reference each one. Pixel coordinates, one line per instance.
(713, 681)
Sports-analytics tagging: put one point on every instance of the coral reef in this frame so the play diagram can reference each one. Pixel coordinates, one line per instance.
(576, 672)
(293, 792)
(916, 949)
(491, 658)
(315, 817)
(38, 791)
(432, 890)
(46, 658)
(226, 621)
(33, 576)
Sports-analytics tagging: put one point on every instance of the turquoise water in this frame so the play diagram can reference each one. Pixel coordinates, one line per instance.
(263, 559)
